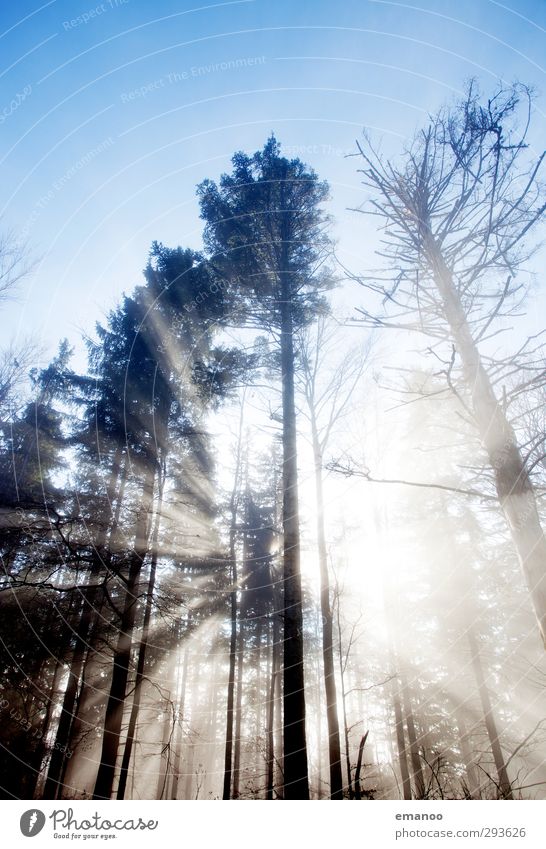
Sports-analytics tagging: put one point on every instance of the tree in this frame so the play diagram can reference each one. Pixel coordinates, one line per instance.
(14, 265)
(265, 235)
(41, 572)
(162, 384)
(234, 581)
(456, 213)
(328, 388)
(15, 359)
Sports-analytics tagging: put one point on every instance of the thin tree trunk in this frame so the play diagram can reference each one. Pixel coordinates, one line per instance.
(211, 753)
(358, 787)
(178, 742)
(194, 712)
(466, 753)
(129, 742)
(53, 785)
(514, 488)
(240, 645)
(347, 742)
(258, 707)
(392, 626)
(296, 780)
(122, 656)
(344, 707)
(400, 739)
(231, 677)
(490, 723)
(270, 736)
(318, 697)
(279, 724)
(334, 749)
(38, 755)
(228, 753)
(239, 714)
(418, 779)
(165, 752)
(85, 625)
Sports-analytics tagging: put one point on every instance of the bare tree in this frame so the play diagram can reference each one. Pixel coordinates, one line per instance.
(15, 363)
(17, 358)
(457, 212)
(14, 265)
(328, 393)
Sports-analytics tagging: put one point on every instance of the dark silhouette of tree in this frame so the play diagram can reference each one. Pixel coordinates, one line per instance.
(266, 237)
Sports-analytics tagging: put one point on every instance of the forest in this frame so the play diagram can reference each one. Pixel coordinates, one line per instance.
(276, 530)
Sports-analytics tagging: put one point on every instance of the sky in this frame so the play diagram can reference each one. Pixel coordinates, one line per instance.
(112, 112)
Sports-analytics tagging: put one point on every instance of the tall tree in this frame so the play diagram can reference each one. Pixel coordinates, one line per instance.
(266, 236)
(164, 382)
(328, 388)
(17, 357)
(234, 592)
(458, 211)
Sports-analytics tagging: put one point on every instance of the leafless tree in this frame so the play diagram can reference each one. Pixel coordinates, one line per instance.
(457, 214)
(14, 265)
(328, 388)
(15, 358)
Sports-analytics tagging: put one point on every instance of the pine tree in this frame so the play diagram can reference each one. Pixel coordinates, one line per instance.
(265, 235)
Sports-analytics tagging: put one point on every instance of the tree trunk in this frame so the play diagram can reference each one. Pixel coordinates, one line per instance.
(334, 748)
(318, 707)
(178, 741)
(230, 713)
(344, 706)
(194, 713)
(128, 748)
(466, 753)
(400, 739)
(210, 759)
(122, 655)
(279, 772)
(232, 660)
(296, 781)
(490, 723)
(514, 489)
(37, 779)
(53, 785)
(165, 752)
(419, 782)
(358, 786)
(270, 735)
(239, 714)
(258, 755)
(84, 628)
(392, 627)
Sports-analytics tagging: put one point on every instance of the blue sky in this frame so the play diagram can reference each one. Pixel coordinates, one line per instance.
(112, 112)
